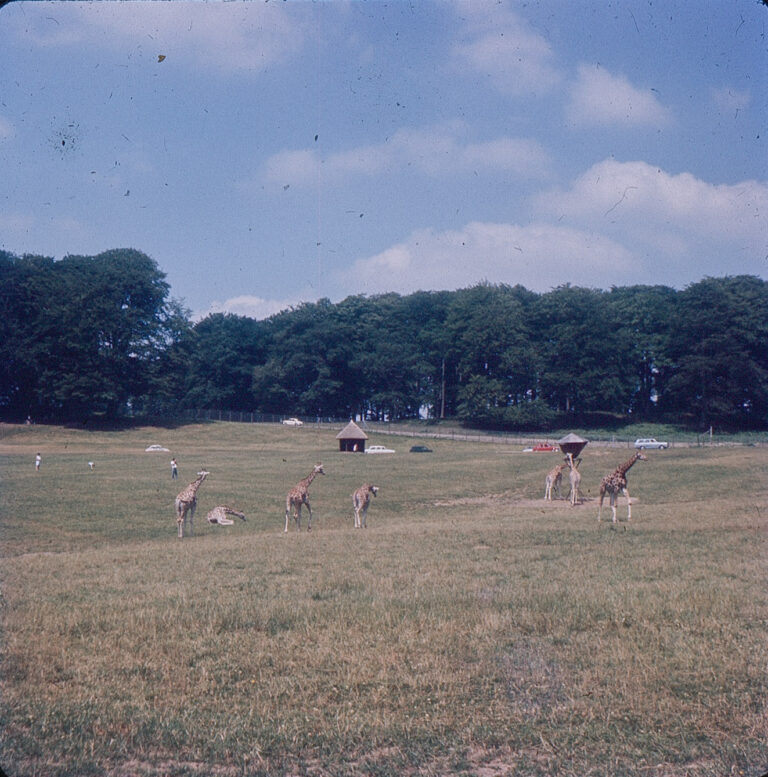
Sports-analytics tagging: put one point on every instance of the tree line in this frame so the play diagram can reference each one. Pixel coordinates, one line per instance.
(99, 336)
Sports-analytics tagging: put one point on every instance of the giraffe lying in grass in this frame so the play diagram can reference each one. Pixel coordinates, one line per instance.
(361, 499)
(219, 515)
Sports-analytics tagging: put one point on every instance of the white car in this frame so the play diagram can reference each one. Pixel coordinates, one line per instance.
(292, 422)
(650, 443)
(378, 449)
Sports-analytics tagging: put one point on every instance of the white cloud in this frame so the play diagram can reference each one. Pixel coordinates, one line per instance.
(599, 97)
(618, 224)
(438, 150)
(538, 256)
(643, 199)
(225, 36)
(498, 44)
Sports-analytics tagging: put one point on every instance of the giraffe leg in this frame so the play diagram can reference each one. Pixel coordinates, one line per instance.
(309, 509)
(629, 505)
(192, 518)
(600, 507)
(614, 497)
(287, 514)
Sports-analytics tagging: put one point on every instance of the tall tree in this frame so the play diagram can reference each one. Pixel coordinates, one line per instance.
(720, 352)
(91, 327)
(222, 351)
(644, 316)
(583, 358)
(492, 346)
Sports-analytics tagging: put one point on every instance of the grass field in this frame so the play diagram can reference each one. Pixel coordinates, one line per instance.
(472, 629)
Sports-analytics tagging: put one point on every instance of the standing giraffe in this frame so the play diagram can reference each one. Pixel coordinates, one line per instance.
(298, 496)
(186, 503)
(553, 481)
(219, 515)
(616, 483)
(574, 476)
(360, 501)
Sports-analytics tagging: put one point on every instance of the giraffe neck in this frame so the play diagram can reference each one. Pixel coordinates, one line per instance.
(307, 480)
(196, 483)
(622, 470)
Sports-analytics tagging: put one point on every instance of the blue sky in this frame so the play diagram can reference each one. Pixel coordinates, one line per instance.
(269, 153)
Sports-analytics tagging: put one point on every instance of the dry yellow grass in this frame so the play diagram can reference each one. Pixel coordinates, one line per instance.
(471, 629)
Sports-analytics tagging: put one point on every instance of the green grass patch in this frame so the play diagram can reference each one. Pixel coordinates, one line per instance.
(471, 629)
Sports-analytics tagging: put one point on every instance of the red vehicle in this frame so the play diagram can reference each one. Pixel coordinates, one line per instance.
(543, 447)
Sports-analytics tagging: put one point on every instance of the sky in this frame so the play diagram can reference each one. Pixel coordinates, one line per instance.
(270, 153)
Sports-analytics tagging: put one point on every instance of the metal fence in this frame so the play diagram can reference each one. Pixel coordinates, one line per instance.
(426, 430)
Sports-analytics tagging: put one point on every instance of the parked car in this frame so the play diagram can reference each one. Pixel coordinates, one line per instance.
(420, 449)
(543, 447)
(650, 443)
(292, 422)
(378, 449)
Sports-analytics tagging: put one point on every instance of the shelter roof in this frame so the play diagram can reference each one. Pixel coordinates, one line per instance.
(351, 432)
(571, 438)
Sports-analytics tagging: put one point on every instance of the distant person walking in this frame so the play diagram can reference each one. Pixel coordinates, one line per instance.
(38, 461)
(174, 469)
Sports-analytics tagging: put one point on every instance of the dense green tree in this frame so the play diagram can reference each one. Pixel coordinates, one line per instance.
(309, 364)
(89, 331)
(21, 295)
(644, 316)
(425, 317)
(583, 359)
(98, 335)
(720, 352)
(496, 360)
(221, 353)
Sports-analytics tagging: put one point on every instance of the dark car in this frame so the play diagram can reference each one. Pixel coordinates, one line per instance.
(420, 449)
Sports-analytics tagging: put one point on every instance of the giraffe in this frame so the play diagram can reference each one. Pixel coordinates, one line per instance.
(219, 515)
(553, 481)
(186, 502)
(616, 483)
(360, 501)
(298, 496)
(575, 478)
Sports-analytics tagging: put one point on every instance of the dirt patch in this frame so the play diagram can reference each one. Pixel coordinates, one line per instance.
(472, 500)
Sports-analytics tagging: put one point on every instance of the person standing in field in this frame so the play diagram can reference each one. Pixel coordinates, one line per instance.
(38, 461)
(174, 469)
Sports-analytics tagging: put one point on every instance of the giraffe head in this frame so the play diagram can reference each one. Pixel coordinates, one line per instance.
(373, 489)
(641, 456)
(203, 474)
(318, 470)
(570, 462)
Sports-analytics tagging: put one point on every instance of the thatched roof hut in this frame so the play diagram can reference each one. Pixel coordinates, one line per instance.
(352, 439)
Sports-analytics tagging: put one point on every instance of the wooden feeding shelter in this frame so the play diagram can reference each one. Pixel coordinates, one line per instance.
(352, 439)
(572, 444)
